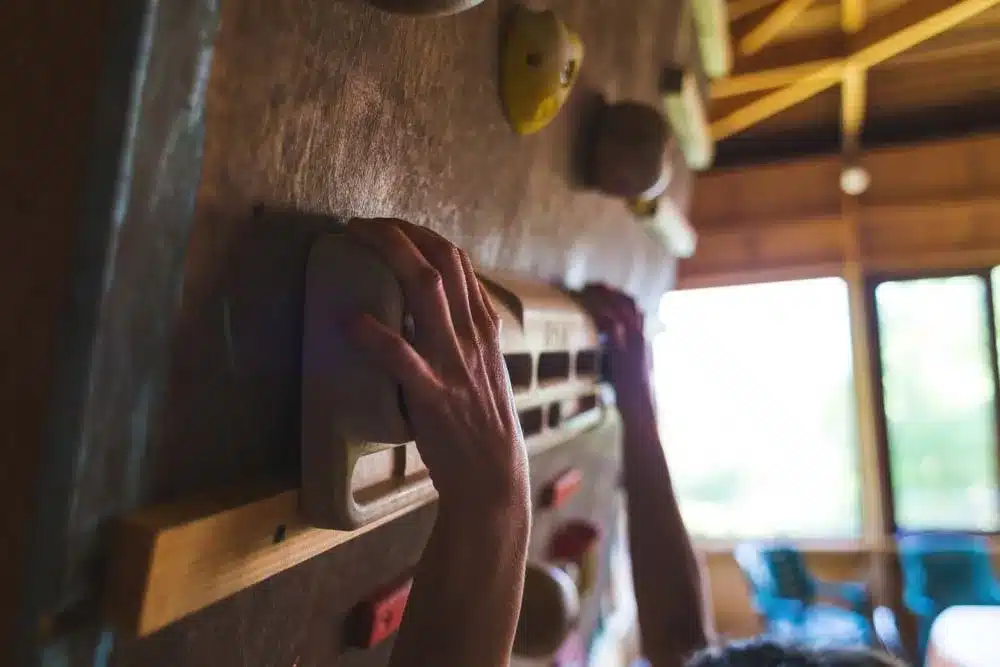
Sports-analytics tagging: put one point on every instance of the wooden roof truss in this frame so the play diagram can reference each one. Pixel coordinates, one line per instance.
(772, 77)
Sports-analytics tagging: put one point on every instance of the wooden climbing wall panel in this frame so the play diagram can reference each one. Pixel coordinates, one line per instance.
(317, 111)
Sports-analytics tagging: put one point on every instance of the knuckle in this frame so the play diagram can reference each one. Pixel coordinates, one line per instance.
(429, 279)
(456, 256)
(491, 310)
(488, 321)
(471, 351)
(433, 241)
(489, 335)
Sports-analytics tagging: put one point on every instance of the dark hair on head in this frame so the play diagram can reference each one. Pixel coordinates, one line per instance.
(769, 653)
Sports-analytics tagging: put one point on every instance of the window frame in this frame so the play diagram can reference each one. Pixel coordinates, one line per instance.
(886, 484)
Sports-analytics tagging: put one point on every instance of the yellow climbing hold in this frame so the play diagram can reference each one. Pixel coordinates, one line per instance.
(540, 63)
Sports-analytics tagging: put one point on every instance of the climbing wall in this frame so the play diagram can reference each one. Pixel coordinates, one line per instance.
(318, 111)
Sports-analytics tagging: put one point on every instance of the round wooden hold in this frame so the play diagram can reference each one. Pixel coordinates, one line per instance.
(424, 7)
(549, 609)
(629, 151)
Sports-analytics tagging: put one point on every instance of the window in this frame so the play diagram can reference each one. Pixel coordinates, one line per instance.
(756, 401)
(936, 352)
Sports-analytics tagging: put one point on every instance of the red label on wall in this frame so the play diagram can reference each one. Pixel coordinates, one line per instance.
(562, 488)
(573, 540)
(577, 542)
(380, 617)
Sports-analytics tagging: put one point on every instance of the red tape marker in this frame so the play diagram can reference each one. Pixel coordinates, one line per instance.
(562, 488)
(573, 540)
(380, 617)
(576, 542)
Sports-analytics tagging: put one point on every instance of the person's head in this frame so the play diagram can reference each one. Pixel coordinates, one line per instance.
(763, 653)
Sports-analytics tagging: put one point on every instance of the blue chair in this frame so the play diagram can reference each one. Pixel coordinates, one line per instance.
(942, 570)
(788, 597)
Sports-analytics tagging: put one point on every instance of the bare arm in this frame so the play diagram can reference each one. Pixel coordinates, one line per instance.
(666, 573)
(471, 575)
(466, 594)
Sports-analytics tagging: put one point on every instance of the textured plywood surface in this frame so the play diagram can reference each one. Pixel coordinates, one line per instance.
(334, 108)
(338, 110)
(316, 112)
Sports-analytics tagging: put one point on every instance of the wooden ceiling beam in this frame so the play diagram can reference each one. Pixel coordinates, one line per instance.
(768, 79)
(919, 56)
(913, 23)
(770, 104)
(884, 38)
(791, 53)
(785, 63)
(816, 21)
(854, 88)
(852, 107)
(852, 15)
(740, 8)
(771, 26)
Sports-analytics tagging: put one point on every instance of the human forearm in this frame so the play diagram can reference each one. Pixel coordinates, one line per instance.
(666, 574)
(665, 570)
(470, 580)
(466, 594)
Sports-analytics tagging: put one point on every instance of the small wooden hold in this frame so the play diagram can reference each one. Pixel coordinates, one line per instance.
(549, 608)
(629, 156)
(562, 488)
(424, 7)
(375, 620)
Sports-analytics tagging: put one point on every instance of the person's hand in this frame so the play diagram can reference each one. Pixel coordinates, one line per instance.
(621, 323)
(454, 381)
(462, 416)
